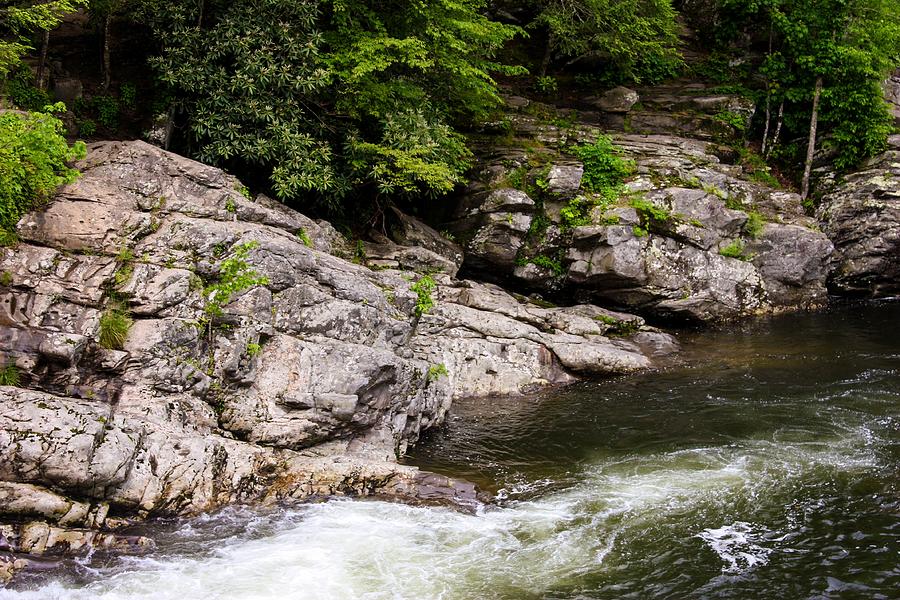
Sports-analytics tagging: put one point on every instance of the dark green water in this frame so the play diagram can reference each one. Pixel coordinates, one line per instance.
(766, 466)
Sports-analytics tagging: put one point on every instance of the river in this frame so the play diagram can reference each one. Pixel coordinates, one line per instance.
(765, 465)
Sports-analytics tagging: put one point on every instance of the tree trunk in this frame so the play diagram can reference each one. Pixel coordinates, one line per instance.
(106, 62)
(778, 125)
(811, 148)
(548, 53)
(765, 139)
(42, 63)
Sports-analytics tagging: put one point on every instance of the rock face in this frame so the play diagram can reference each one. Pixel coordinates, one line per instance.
(892, 95)
(862, 217)
(690, 238)
(306, 376)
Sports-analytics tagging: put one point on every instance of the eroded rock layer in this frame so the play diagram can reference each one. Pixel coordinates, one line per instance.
(258, 366)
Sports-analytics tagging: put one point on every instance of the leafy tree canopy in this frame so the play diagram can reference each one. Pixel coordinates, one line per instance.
(638, 37)
(19, 19)
(332, 96)
(850, 45)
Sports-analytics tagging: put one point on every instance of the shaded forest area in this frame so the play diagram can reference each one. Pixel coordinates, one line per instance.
(341, 106)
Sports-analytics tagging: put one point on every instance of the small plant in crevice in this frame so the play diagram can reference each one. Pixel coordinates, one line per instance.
(735, 250)
(605, 171)
(304, 237)
(235, 275)
(423, 289)
(359, 254)
(6, 278)
(244, 191)
(124, 260)
(253, 349)
(435, 372)
(545, 262)
(9, 374)
(114, 326)
(754, 225)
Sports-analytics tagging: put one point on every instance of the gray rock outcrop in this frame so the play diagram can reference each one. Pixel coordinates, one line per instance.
(690, 238)
(255, 365)
(862, 216)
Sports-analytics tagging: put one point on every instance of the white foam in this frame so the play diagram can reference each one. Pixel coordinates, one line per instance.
(377, 550)
(738, 546)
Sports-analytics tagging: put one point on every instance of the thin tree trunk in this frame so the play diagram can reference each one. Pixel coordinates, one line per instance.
(768, 96)
(200, 16)
(768, 118)
(811, 147)
(779, 122)
(42, 64)
(106, 62)
(548, 53)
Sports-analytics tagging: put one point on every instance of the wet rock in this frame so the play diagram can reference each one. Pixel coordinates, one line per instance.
(862, 217)
(617, 100)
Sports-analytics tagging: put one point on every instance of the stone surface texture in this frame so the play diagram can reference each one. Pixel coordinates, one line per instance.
(862, 216)
(309, 382)
(690, 238)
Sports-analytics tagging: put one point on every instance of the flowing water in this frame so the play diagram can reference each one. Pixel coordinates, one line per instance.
(766, 466)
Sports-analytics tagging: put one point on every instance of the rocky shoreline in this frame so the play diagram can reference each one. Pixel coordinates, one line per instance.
(324, 362)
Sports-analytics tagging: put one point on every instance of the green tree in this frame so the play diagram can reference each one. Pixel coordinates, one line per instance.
(637, 37)
(34, 159)
(20, 19)
(335, 95)
(824, 66)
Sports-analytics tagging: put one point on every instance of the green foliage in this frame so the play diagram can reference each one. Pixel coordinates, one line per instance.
(734, 250)
(604, 169)
(756, 167)
(244, 191)
(548, 263)
(304, 238)
(86, 127)
(6, 278)
(736, 121)
(235, 275)
(253, 349)
(128, 95)
(577, 212)
(649, 212)
(435, 372)
(114, 326)
(333, 96)
(850, 44)
(754, 225)
(21, 90)
(636, 37)
(423, 289)
(639, 231)
(546, 85)
(9, 375)
(33, 162)
(22, 18)
(107, 109)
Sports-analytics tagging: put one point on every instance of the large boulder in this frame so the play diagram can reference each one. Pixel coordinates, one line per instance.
(691, 237)
(862, 218)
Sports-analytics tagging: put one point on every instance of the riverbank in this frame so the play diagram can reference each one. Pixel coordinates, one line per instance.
(763, 465)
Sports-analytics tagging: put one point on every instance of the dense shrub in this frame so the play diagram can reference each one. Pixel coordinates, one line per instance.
(34, 159)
